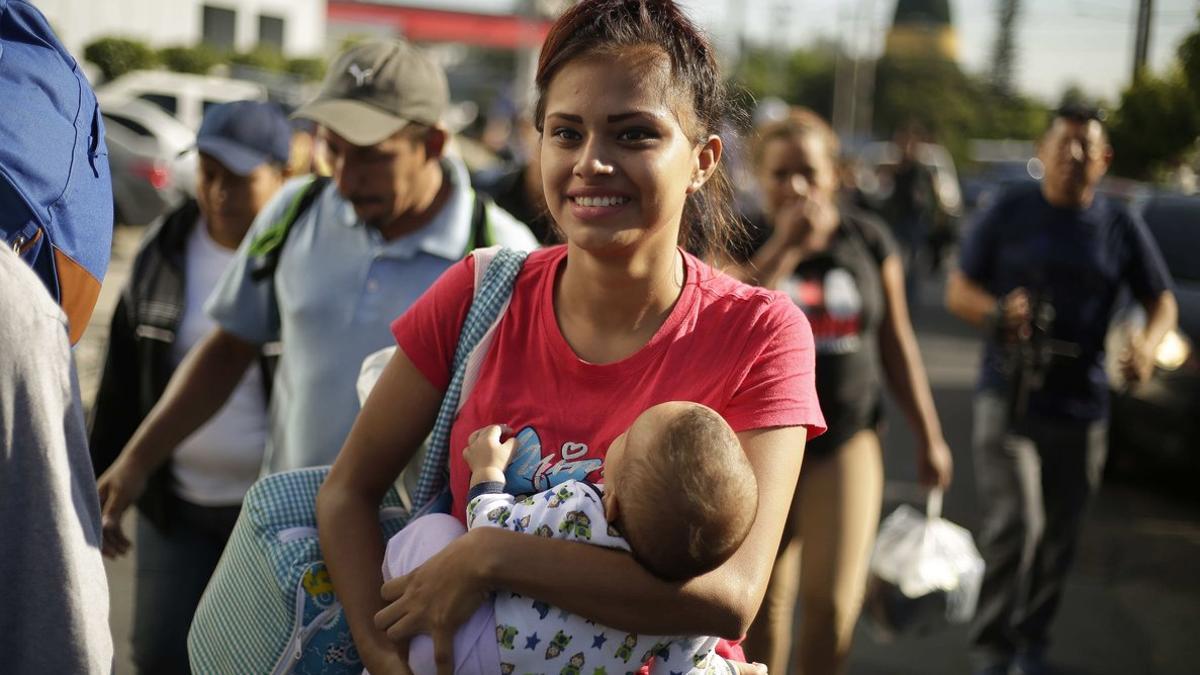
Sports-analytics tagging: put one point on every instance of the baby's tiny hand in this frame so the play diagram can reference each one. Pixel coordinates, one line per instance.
(485, 451)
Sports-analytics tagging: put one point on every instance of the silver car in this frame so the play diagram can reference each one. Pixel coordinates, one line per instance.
(149, 156)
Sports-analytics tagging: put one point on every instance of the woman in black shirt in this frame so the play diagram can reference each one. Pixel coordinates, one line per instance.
(841, 267)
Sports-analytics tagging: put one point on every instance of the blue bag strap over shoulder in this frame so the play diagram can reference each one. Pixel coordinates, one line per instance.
(491, 298)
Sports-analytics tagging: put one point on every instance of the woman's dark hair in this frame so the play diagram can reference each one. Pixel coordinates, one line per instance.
(609, 27)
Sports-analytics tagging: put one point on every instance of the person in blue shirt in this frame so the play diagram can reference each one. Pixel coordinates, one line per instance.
(1048, 259)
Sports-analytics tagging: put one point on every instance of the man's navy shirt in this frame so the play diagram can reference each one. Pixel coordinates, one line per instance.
(1078, 259)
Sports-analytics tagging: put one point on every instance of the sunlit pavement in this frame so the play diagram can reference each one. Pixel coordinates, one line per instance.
(1132, 605)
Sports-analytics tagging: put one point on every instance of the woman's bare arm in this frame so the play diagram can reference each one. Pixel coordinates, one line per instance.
(606, 586)
(394, 421)
(907, 380)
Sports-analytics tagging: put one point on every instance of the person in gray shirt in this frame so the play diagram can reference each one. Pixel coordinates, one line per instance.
(55, 597)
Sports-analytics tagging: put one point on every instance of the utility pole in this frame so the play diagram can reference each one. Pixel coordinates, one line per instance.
(868, 55)
(1003, 51)
(782, 21)
(1142, 37)
(843, 91)
(854, 70)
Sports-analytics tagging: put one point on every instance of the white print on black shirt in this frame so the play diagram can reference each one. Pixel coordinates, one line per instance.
(833, 306)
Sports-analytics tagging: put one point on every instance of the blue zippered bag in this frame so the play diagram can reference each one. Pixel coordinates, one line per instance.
(56, 208)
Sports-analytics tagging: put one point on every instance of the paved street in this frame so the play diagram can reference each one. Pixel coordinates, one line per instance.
(1133, 604)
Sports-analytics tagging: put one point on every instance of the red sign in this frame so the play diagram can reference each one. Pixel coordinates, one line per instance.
(433, 25)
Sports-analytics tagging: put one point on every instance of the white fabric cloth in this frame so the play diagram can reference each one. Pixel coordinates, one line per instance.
(475, 650)
(54, 603)
(222, 459)
(535, 637)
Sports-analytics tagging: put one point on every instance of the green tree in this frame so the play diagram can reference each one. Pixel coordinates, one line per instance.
(1155, 126)
(263, 58)
(953, 106)
(115, 56)
(1157, 122)
(198, 59)
(1189, 60)
(308, 69)
(801, 77)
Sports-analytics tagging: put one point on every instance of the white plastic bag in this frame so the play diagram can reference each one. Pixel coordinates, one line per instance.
(925, 572)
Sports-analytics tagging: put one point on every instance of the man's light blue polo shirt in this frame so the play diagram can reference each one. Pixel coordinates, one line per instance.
(338, 286)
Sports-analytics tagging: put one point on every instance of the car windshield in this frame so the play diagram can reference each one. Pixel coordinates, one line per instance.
(1175, 224)
(133, 126)
(166, 102)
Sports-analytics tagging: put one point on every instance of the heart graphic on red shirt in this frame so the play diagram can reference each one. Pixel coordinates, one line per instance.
(535, 468)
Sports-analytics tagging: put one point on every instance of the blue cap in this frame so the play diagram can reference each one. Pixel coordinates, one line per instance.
(244, 135)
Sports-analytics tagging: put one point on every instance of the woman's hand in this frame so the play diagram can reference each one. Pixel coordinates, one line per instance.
(435, 599)
(806, 223)
(121, 485)
(935, 464)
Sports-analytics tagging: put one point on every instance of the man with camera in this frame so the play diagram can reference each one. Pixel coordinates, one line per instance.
(1041, 271)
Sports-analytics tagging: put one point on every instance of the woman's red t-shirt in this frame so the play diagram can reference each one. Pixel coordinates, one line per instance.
(743, 351)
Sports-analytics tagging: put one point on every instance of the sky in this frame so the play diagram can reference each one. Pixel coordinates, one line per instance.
(1059, 42)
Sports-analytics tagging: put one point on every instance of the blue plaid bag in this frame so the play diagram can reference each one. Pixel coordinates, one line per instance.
(270, 606)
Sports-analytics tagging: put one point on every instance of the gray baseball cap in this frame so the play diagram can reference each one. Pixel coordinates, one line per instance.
(375, 88)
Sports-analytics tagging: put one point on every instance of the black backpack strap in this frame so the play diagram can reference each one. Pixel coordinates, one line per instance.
(267, 246)
(481, 235)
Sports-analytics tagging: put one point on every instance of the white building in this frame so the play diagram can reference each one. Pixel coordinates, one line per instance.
(296, 27)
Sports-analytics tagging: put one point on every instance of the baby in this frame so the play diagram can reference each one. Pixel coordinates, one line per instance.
(678, 494)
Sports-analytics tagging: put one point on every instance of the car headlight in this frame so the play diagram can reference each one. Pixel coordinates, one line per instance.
(1172, 352)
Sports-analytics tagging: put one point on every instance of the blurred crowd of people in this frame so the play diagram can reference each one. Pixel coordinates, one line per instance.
(782, 307)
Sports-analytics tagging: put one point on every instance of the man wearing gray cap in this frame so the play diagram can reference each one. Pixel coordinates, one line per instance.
(360, 251)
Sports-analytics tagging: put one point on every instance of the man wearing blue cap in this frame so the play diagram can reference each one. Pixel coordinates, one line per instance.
(189, 502)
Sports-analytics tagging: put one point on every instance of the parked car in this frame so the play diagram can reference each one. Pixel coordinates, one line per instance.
(1155, 427)
(181, 95)
(994, 165)
(148, 151)
(989, 179)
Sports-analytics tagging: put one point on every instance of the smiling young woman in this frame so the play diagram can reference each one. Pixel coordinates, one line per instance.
(618, 319)
(617, 164)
